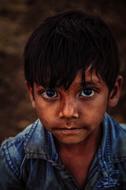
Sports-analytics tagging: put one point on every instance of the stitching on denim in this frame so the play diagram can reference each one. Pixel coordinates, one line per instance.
(30, 132)
(9, 162)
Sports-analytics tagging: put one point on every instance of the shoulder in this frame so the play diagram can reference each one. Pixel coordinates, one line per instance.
(12, 150)
(119, 149)
(118, 139)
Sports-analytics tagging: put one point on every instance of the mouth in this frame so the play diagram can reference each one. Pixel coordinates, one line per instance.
(68, 131)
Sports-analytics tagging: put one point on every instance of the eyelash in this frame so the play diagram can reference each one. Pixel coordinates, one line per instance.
(41, 92)
(87, 96)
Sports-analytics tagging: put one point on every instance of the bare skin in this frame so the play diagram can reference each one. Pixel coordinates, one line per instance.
(74, 117)
(78, 159)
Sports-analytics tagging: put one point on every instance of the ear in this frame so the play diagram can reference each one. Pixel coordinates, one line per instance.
(115, 93)
(31, 93)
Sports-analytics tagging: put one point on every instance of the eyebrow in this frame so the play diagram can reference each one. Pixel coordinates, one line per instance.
(91, 83)
(81, 84)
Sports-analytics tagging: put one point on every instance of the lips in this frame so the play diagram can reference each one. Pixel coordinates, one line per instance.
(68, 131)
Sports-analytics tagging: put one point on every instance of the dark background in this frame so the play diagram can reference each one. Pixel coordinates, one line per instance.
(18, 18)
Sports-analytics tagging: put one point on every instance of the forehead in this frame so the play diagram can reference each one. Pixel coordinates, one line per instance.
(90, 77)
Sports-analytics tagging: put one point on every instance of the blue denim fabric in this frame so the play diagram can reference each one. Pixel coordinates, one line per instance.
(30, 161)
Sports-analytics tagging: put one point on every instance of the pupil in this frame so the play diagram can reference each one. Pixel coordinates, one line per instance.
(88, 91)
(50, 92)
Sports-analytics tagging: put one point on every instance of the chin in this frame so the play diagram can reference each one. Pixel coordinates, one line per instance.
(70, 141)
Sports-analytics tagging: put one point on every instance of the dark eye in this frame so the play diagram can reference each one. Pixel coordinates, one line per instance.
(87, 92)
(49, 93)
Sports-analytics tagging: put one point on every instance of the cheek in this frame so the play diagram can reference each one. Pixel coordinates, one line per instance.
(46, 113)
(46, 117)
(93, 111)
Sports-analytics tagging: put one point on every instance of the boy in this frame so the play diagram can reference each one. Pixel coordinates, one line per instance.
(72, 74)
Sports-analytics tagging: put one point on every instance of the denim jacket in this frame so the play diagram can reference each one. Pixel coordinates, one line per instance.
(30, 161)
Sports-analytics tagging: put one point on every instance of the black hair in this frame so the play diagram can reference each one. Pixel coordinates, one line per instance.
(66, 43)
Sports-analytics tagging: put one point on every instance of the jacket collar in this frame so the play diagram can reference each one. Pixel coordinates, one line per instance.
(106, 154)
(114, 140)
(40, 143)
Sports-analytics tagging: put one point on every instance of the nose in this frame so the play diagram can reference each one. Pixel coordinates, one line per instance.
(68, 109)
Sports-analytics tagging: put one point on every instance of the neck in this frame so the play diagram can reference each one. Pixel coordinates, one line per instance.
(77, 158)
(91, 143)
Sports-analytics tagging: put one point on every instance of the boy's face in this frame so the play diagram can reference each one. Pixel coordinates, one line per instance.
(74, 115)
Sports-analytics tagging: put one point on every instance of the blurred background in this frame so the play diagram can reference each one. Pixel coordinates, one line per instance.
(18, 18)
